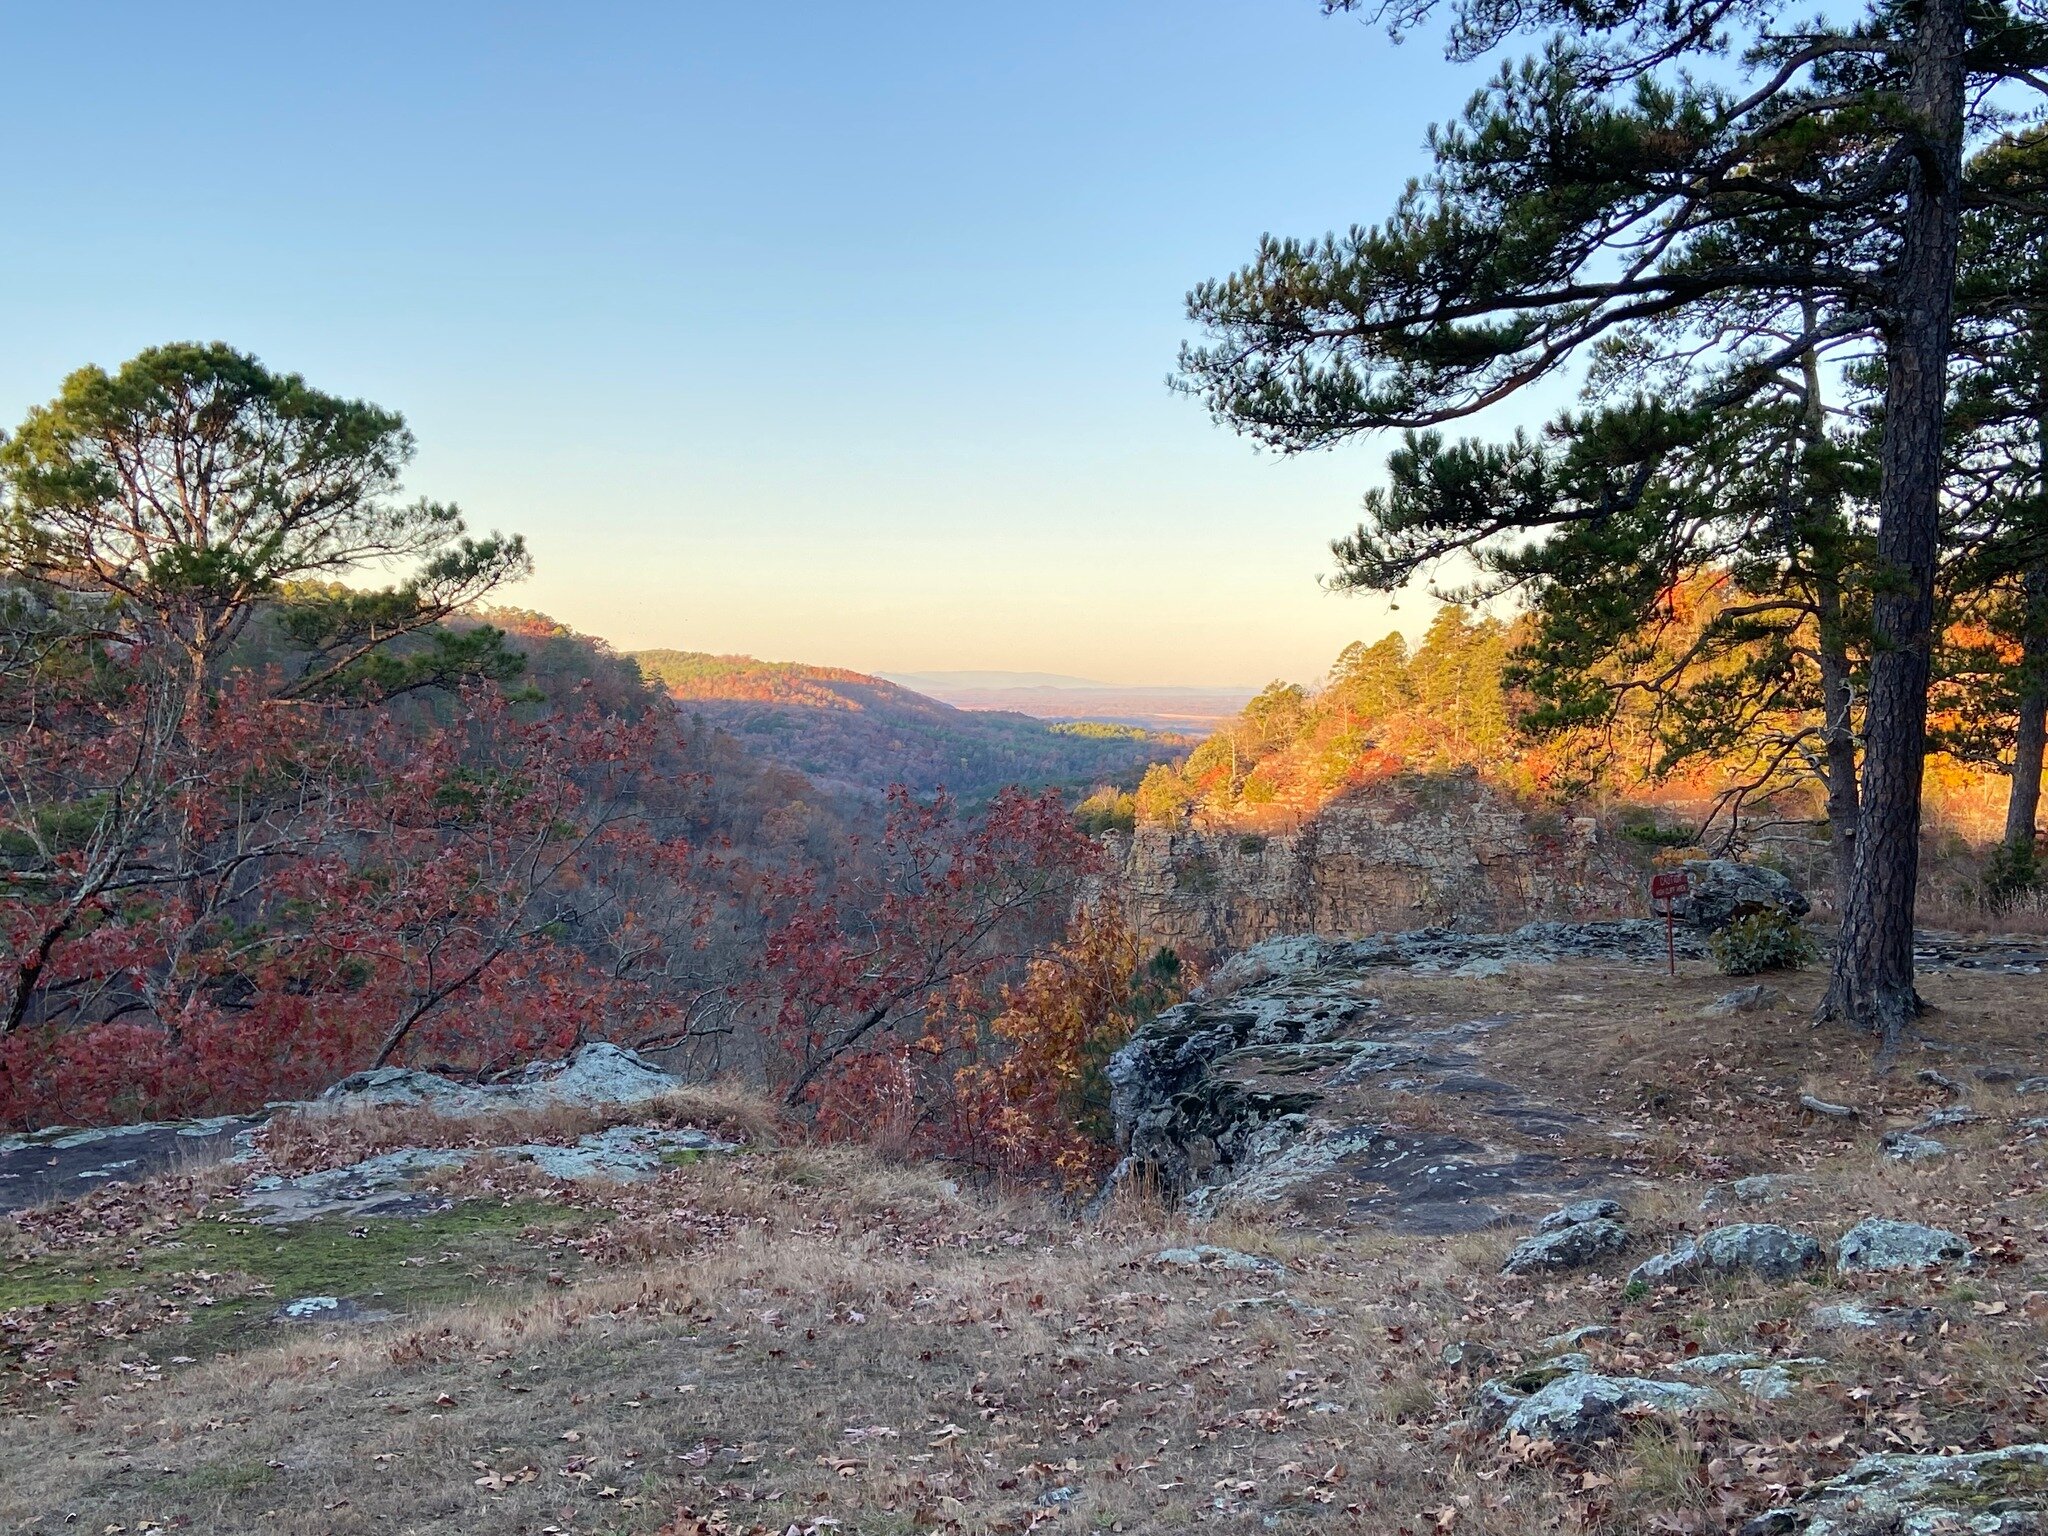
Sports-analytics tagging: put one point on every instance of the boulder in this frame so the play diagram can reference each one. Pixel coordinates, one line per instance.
(1721, 890)
(1580, 1212)
(1580, 1409)
(1757, 1248)
(1985, 1493)
(1570, 1247)
(1880, 1245)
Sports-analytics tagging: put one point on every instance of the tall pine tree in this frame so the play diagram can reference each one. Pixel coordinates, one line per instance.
(1657, 174)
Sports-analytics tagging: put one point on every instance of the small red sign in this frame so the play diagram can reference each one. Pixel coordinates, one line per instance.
(1669, 885)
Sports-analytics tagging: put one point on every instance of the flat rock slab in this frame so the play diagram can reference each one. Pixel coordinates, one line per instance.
(65, 1163)
(1274, 1093)
(1981, 1493)
(388, 1185)
(328, 1309)
(1443, 1184)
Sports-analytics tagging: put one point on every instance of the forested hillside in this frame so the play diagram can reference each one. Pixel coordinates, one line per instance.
(261, 827)
(848, 729)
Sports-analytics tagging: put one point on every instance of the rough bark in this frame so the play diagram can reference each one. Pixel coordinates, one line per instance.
(2030, 732)
(1872, 982)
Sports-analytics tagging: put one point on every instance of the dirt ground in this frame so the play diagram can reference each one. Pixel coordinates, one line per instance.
(812, 1339)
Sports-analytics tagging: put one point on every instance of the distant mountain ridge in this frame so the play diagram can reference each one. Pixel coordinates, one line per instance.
(1048, 696)
(864, 732)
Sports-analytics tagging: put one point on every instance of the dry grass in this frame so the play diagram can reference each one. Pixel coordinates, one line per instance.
(803, 1335)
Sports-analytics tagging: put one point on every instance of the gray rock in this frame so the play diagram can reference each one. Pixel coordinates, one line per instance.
(1756, 1189)
(1580, 1409)
(1847, 1316)
(1492, 1404)
(1751, 999)
(1880, 1244)
(2035, 1123)
(1826, 1107)
(1571, 1247)
(1941, 1080)
(1910, 1147)
(1721, 890)
(2031, 1085)
(1207, 1256)
(597, 1073)
(1483, 967)
(328, 1309)
(1758, 1248)
(1978, 1493)
(1945, 1119)
(387, 1185)
(1580, 1211)
(1772, 1380)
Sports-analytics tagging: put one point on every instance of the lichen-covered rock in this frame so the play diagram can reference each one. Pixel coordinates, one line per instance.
(597, 1073)
(1207, 1256)
(1721, 890)
(1910, 1147)
(1757, 1248)
(1580, 1409)
(389, 1184)
(1756, 1189)
(1751, 999)
(1772, 1380)
(1946, 1119)
(1978, 1493)
(1580, 1211)
(1572, 1247)
(1841, 1316)
(1880, 1245)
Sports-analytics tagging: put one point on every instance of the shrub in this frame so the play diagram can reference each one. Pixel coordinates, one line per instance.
(2014, 870)
(1762, 941)
(1107, 810)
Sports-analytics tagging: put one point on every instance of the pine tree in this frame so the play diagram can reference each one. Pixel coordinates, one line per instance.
(1719, 193)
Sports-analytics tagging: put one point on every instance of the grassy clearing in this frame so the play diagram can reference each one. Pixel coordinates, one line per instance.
(802, 1335)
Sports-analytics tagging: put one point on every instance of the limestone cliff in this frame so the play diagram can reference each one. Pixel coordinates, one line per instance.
(1413, 850)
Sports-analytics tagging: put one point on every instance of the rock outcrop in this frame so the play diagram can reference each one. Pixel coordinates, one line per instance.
(1415, 849)
(1262, 1090)
(1983, 1493)
(1722, 890)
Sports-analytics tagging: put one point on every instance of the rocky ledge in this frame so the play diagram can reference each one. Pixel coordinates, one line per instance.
(1265, 1087)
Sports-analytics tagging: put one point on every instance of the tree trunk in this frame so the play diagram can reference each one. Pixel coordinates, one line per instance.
(2030, 733)
(1839, 734)
(1831, 649)
(1872, 983)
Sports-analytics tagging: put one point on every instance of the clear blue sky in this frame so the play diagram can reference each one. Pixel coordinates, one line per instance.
(818, 331)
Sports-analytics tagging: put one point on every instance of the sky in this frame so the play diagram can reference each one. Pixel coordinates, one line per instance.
(817, 332)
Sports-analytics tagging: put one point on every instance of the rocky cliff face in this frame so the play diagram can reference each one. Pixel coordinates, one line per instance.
(1414, 850)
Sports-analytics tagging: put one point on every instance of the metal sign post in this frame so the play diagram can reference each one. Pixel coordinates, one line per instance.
(1667, 886)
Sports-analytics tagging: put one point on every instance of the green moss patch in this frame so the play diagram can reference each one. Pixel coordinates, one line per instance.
(398, 1265)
